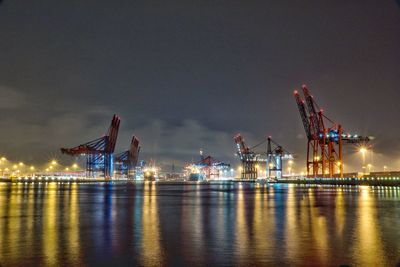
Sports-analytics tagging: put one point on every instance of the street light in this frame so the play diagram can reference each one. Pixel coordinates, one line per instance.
(363, 150)
(384, 168)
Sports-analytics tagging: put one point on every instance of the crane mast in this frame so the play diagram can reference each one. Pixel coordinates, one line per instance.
(303, 114)
(275, 153)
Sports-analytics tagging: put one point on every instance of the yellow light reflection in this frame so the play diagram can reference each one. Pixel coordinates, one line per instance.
(340, 213)
(73, 232)
(368, 248)
(50, 232)
(151, 247)
(242, 235)
(291, 224)
(3, 199)
(14, 222)
(262, 227)
(29, 227)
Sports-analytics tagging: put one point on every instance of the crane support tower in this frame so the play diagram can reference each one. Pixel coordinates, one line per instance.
(324, 144)
(247, 158)
(99, 152)
(125, 162)
(275, 154)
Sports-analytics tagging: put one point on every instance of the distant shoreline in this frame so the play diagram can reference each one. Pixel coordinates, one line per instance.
(376, 181)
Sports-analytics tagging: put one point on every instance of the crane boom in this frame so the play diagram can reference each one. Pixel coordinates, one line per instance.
(315, 119)
(303, 114)
(241, 146)
(134, 151)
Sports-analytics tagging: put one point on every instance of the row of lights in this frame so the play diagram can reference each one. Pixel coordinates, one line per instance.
(362, 178)
(39, 178)
(271, 165)
(15, 168)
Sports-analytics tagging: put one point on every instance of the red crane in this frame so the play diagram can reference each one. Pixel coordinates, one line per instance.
(99, 152)
(324, 145)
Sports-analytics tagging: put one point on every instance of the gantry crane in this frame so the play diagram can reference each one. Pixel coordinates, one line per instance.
(99, 152)
(247, 157)
(271, 157)
(324, 145)
(126, 161)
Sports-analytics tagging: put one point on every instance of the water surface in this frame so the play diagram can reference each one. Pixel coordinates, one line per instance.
(52, 224)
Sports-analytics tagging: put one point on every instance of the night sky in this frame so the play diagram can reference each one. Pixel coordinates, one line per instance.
(185, 75)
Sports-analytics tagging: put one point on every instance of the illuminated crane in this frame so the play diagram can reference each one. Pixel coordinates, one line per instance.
(247, 157)
(270, 157)
(99, 152)
(211, 167)
(324, 145)
(126, 161)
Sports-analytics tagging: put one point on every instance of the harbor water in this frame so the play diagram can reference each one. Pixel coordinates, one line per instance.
(233, 224)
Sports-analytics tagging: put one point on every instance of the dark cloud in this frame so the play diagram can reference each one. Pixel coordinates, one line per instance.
(185, 75)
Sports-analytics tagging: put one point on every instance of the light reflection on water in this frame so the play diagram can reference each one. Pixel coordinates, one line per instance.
(151, 250)
(198, 225)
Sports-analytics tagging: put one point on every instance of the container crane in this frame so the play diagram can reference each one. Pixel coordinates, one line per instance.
(126, 161)
(271, 157)
(247, 157)
(324, 145)
(99, 152)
